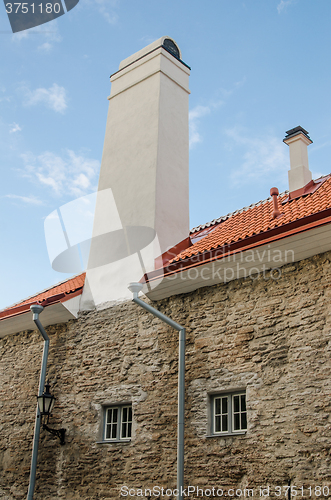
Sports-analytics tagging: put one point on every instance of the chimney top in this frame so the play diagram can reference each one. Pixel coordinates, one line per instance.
(296, 131)
(165, 41)
(299, 174)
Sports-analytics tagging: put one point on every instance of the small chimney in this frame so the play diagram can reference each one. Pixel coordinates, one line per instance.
(299, 174)
(274, 193)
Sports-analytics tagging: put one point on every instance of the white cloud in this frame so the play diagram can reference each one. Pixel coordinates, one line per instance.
(54, 98)
(260, 156)
(17, 37)
(50, 34)
(148, 39)
(314, 148)
(31, 200)
(105, 7)
(45, 47)
(194, 119)
(199, 111)
(195, 116)
(71, 174)
(5, 97)
(283, 4)
(110, 16)
(14, 128)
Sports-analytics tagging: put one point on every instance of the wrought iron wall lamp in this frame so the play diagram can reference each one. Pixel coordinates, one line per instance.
(46, 402)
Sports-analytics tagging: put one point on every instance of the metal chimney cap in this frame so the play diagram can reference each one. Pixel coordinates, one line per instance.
(36, 308)
(296, 131)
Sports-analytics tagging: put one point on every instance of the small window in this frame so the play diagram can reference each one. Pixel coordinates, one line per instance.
(118, 423)
(229, 414)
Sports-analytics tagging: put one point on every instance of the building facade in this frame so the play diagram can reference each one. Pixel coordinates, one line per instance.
(267, 339)
(252, 291)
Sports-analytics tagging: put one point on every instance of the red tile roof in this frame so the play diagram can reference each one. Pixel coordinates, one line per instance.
(257, 219)
(57, 293)
(66, 287)
(249, 226)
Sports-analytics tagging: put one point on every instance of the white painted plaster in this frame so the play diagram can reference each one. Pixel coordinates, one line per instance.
(72, 305)
(299, 174)
(145, 165)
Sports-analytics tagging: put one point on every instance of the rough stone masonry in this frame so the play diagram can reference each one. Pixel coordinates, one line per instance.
(270, 337)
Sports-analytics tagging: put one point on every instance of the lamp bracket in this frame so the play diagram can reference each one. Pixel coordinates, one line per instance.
(60, 433)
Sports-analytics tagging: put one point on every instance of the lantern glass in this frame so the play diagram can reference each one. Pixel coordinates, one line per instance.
(46, 402)
(52, 404)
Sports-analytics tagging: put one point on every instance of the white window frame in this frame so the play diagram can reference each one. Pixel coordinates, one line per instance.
(118, 435)
(230, 413)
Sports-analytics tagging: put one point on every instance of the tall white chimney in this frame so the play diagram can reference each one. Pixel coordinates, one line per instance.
(299, 174)
(144, 171)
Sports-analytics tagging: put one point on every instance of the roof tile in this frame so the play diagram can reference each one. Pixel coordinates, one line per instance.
(256, 219)
(65, 287)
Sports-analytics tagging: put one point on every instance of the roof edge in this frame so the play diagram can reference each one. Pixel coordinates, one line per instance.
(280, 232)
(22, 309)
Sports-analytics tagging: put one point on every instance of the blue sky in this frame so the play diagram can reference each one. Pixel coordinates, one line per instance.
(259, 68)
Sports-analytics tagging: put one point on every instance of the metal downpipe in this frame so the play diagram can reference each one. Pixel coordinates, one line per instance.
(36, 310)
(135, 288)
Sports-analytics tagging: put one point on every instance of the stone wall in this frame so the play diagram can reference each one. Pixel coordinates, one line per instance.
(271, 337)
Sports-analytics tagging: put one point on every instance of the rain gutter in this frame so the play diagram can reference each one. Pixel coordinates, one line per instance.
(36, 310)
(135, 288)
(54, 299)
